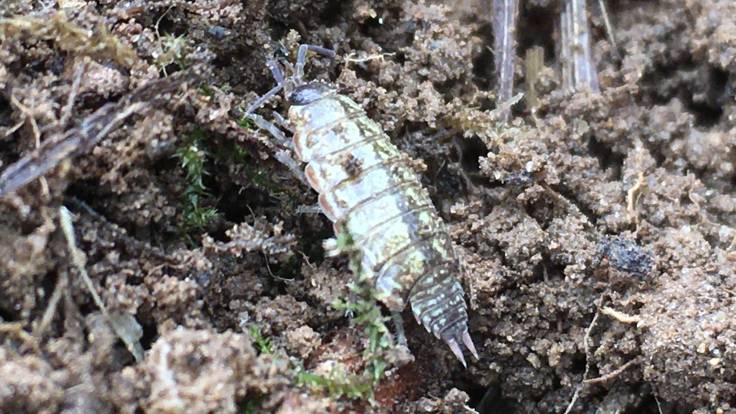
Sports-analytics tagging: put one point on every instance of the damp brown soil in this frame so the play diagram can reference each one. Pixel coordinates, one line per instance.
(597, 231)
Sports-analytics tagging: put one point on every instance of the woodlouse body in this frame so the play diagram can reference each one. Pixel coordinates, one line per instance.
(368, 189)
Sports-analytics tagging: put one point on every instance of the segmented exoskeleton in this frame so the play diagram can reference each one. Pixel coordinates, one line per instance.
(368, 188)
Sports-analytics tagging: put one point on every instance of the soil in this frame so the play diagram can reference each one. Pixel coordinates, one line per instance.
(597, 230)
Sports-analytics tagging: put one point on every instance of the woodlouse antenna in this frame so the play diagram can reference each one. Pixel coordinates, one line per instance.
(301, 59)
(276, 71)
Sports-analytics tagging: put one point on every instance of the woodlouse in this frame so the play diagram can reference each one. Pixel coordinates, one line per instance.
(368, 188)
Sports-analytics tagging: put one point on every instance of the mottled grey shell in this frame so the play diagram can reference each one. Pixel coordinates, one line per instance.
(368, 188)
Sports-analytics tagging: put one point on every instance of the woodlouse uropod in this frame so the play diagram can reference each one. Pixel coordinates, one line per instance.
(368, 188)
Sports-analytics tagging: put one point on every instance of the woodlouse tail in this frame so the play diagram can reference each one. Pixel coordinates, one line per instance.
(437, 303)
(455, 348)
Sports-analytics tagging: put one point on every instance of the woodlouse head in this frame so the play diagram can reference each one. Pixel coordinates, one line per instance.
(307, 93)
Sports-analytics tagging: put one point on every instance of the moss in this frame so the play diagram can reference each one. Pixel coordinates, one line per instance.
(337, 384)
(253, 406)
(263, 344)
(369, 318)
(173, 50)
(192, 157)
(246, 123)
(69, 37)
(366, 312)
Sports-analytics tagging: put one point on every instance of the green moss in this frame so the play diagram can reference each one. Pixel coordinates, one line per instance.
(253, 405)
(262, 343)
(206, 90)
(192, 158)
(367, 316)
(173, 50)
(246, 123)
(337, 384)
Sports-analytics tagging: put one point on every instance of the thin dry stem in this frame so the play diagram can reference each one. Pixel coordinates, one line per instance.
(609, 28)
(505, 16)
(613, 374)
(659, 405)
(30, 117)
(66, 112)
(50, 311)
(588, 353)
(78, 259)
(620, 316)
(632, 197)
(69, 36)
(578, 68)
(79, 140)
(533, 65)
(16, 328)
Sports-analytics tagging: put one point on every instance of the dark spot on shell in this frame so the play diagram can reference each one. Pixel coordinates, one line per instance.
(352, 165)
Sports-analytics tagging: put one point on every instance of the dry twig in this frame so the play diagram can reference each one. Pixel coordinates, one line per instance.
(505, 15)
(620, 316)
(50, 312)
(533, 65)
(613, 374)
(588, 353)
(578, 68)
(125, 326)
(87, 134)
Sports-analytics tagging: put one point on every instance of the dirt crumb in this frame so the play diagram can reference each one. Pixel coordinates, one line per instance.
(302, 341)
(454, 402)
(29, 384)
(203, 372)
(689, 331)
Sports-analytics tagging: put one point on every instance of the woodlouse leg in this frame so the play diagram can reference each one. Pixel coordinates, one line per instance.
(284, 157)
(278, 75)
(263, 99)
(281, 139)
(283, 123)
(399, 325)
(305, 209)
